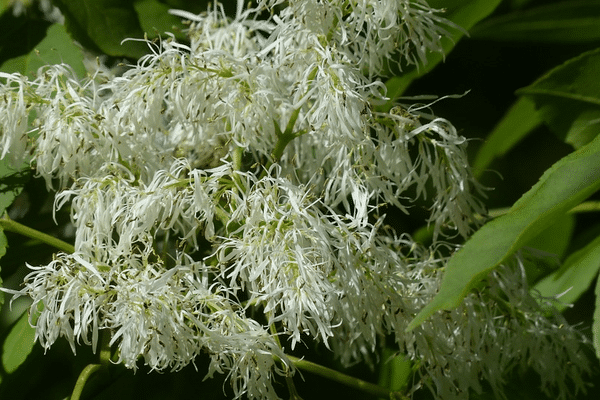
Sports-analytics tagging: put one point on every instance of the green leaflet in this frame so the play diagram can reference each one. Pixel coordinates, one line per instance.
(565, 22)
(566, 184)
(516, 124)
(18, 344)
(568, 98)
(574, 277)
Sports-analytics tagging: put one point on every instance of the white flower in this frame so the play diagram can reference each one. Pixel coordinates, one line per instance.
(283, 255)
(261, 136)
(15, 103)
(372, 31)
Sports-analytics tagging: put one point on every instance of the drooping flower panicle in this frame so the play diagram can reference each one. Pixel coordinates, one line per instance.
(248, 170)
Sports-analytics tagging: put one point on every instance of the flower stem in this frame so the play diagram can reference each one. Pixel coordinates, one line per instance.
(344, 379)
(83, 377)
(12, 226)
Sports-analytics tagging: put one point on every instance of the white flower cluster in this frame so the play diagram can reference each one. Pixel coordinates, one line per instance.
(246, 170)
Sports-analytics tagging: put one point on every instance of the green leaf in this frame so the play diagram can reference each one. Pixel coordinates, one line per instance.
(544, 252)
(568, 98)
(395, 372)
(464, 13)
(103, 25)
(566, 184)
(4, 4)
(11, 183)
(574, 277)
(596, 324)
(565, 22)
(3, 246)
(17, 64)
(517, 123)
(155, 19)
(56, 48)
(18, 344)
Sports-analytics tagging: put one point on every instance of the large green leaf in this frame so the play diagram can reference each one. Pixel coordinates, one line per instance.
(516, 124)
(464, 13)
(565, 22)
(566, 184)
(568, 98)
(574, 277)
(103, 25)
(18, 344)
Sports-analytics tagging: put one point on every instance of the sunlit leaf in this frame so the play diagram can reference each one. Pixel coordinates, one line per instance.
(566, 184)
(18, 344)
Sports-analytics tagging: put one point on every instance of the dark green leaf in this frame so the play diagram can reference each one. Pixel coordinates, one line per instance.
(396, 371)
(56, 48)
(3, 246)
(568, 98)
(516, 124)
(566, 184)
(18, 344)
(20, 34)
(543, 253)
(565, 22)
(596, 325)
(155, 19)
(103, 25)
(11, 183)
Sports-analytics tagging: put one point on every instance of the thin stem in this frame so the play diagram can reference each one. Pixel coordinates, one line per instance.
(288, 379)
(344, 379)
(83, 377)
(12, 226)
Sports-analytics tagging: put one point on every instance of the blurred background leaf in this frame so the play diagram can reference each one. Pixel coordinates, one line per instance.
(568, 98)
(565, 22)
(103, 25)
